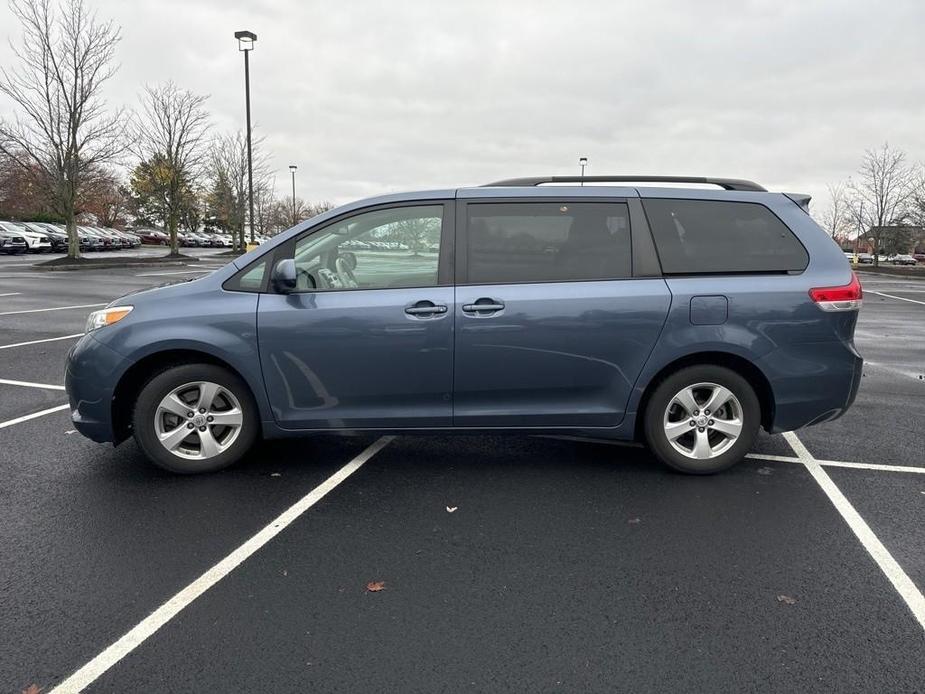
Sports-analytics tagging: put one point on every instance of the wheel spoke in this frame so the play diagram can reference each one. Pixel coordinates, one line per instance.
(207, 393)
(717, 399)
(686, 400)
(730, 427)
(675, 429)
(173, 404)
(702, 447)
(229, 418)
(208, 445)
(172, 439)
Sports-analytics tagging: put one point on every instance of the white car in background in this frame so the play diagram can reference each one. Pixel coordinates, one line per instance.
(36, 242)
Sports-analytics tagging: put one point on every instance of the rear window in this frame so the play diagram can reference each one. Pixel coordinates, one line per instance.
(708, 236)
(547, 242)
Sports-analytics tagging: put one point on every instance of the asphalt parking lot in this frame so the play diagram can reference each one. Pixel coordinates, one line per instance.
(508, 563)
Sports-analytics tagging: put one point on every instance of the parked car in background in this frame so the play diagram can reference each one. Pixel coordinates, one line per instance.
(559, 309)
(187, 240)
(128, 240)
(865, 259)
(919, 257)
(37, 242)
(57, 239)
(903, 259)
(12, 243)
(85, 243)
(101, 241)
(153, 236)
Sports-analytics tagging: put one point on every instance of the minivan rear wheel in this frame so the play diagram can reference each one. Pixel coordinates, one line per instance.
(702, 419)
(195, 418)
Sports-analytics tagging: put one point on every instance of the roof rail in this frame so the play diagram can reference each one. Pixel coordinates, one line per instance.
(726, 183)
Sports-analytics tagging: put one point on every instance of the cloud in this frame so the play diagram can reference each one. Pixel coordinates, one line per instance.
(368, 97)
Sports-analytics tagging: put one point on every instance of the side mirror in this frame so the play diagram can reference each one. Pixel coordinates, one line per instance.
(284, 276)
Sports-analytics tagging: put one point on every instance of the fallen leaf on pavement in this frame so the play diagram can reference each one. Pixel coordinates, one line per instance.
(765, 471)
(375, 586)
(32, 689)
(634, 521)
(450, 509)
(276, 474)
(786, 599)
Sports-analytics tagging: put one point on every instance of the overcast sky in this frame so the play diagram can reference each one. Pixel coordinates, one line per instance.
(370, 97)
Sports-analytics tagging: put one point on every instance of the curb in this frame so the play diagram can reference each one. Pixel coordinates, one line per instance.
(114, 266)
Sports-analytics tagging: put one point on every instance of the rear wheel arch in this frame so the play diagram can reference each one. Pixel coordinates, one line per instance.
(734, 362)
(138, 374)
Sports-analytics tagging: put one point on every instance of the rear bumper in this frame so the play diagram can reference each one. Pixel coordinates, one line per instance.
(812, 383)
(89, 379)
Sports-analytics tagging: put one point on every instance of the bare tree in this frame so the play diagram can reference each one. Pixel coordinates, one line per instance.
(63, 132)
(882, 192)
(169, 133)
(836, 219)
(228, 168)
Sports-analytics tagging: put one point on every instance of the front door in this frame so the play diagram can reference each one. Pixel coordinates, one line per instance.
(366, 340)
(552, 327)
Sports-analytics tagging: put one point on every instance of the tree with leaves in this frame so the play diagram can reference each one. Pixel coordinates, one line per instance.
(169, 136)
(63, 131)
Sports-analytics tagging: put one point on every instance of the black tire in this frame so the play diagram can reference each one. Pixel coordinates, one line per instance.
(143, 418)
(664, 393)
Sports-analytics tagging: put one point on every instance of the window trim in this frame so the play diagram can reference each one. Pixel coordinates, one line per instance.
(444, 259)
(462, 236)
(727, 273)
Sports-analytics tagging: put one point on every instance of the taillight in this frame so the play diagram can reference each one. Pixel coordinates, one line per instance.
(845, 298)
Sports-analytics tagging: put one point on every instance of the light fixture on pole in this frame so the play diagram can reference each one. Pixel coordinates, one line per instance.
(246, 41)
(292, 169)
(582, 162)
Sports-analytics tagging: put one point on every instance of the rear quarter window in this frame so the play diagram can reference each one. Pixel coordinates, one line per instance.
(716, 237)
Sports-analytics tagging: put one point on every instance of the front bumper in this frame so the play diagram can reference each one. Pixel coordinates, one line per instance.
(90, 377)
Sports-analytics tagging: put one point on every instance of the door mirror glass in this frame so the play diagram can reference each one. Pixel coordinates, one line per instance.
(284, 276)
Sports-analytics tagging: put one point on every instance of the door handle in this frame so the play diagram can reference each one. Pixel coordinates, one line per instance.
(425, 309)
(483, 304)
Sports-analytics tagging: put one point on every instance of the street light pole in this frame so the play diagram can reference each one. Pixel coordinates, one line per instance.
(582, 162)
(292, 169)
(246, 41)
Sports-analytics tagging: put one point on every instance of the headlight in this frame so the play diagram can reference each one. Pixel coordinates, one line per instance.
(107, 316)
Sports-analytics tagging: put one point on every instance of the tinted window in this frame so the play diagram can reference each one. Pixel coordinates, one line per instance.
(390, 248)
(547, 242)
(702, 236)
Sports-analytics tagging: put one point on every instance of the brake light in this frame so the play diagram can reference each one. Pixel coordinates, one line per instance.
(845, 298)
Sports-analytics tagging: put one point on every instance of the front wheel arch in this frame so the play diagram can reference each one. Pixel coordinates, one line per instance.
(131, 382)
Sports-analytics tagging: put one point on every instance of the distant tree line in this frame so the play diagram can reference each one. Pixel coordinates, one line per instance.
(881, 206)
(65, 155)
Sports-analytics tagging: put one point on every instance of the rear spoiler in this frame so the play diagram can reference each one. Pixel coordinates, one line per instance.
(801, 199)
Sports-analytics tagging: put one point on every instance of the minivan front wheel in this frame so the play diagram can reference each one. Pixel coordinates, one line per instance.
(195, 418)
(702, 419)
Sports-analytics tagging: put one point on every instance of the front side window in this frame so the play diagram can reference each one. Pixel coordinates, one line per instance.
(711, 236)
(389, 248)
(547, 242)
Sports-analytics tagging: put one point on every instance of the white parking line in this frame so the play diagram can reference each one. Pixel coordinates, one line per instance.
(29, 384)
(907, 590)
(26, 418)
(11, 294)
(86, 675)
(47, 339)
(56, 308)
(901, 298)
(839, 463)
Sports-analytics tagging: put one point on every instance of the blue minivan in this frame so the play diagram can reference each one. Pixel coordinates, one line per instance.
(682, 316)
